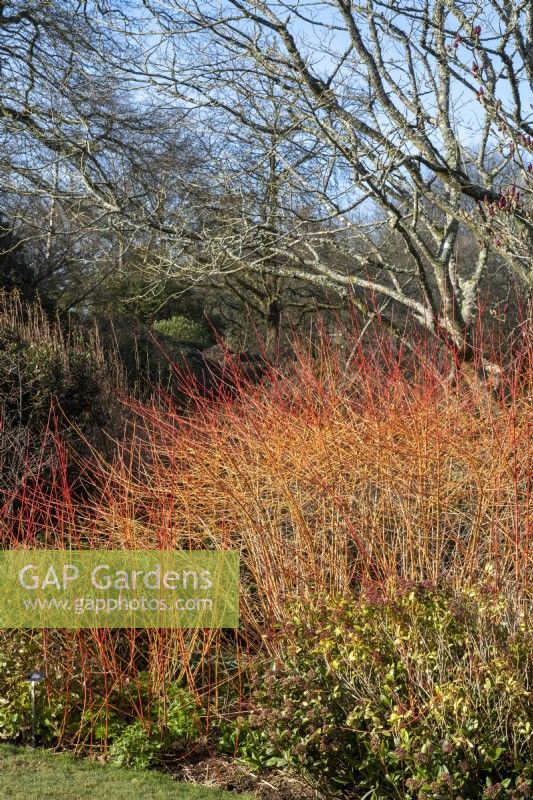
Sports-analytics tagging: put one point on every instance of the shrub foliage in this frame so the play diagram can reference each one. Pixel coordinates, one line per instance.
(424, 695)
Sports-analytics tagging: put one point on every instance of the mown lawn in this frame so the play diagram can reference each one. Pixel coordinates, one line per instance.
(26, 774)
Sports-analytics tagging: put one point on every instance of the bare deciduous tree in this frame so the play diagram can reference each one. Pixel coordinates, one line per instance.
(349, 146)
(88, 167)
(419, 109)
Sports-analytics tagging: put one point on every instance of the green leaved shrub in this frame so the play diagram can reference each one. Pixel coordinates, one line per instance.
(175, 720)
(185, 329)
(20, 653)
(425, 695)
(136, 747)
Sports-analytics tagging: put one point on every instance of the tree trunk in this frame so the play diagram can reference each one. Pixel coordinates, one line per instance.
(273, 328)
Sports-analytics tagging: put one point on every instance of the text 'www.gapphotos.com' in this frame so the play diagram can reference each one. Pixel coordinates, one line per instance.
(111, 605)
